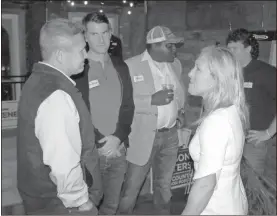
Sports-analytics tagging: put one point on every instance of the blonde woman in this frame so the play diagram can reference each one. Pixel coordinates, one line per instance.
(217, 146)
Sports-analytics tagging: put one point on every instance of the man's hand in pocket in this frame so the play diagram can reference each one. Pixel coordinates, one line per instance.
(87, 206)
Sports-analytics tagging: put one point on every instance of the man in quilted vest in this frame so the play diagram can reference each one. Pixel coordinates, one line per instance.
(56, 154)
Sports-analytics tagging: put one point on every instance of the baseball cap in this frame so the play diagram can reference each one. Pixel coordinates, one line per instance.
(162, 33)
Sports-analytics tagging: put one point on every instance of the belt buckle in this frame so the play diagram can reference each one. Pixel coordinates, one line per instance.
(164, 129)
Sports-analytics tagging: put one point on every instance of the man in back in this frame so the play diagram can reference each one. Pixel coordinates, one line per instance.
(260, 93)
(115, 48)
(56, 146)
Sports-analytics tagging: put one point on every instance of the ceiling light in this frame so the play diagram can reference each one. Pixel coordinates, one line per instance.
(129, 12)
(68, 1)
(101, 11)
(72, 3)
(85, 2)
(131, 4)
(102, 3)
(124, 1)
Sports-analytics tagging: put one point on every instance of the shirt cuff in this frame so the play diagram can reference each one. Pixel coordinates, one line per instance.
(75, 199)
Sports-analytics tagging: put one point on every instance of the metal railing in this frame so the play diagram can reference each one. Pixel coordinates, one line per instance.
(11, 87)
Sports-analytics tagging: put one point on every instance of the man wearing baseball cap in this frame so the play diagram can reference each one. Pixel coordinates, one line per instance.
(159, 97)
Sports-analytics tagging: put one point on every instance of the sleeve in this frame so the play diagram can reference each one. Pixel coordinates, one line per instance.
(57, 129)
(185, 79)
(182, 93)
(270, 81)
(213, 138)
(127, 108)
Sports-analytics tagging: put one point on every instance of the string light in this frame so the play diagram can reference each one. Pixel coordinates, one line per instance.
(131, 4)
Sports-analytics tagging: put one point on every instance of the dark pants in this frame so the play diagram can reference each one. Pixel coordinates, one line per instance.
(50, 206)
(270, 164)
(162, 159)
(112, 172)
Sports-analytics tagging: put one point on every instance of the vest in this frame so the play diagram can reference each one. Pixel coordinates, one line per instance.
(32, 174)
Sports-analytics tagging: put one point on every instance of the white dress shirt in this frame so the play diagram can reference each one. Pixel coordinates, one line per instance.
(162, 74)
(57, 129)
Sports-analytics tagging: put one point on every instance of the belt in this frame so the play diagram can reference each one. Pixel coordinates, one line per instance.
(165, 129)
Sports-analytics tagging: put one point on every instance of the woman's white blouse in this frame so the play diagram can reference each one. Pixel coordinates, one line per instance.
(217, 148)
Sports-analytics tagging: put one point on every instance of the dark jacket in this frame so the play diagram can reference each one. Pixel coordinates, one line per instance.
(126, 111)
(34, 184)
(115, 48)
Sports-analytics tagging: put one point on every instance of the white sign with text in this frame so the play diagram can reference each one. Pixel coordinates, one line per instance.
(9, 114)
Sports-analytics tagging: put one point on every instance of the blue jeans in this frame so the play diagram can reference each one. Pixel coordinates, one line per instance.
(162, 159)
(112, 173)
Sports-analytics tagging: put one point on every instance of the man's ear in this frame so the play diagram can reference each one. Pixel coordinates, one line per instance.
(85, 36)
(59, 55)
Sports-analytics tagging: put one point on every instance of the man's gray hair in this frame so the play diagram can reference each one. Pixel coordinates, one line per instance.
(57, 34)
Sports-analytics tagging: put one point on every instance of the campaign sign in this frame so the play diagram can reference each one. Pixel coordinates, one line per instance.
(9, 114)
(183, 172)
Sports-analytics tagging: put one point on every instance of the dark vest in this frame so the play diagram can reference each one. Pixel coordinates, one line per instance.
(115, 48)
(32, 174)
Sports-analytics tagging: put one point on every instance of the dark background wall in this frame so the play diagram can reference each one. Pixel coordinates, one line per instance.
(202, 23)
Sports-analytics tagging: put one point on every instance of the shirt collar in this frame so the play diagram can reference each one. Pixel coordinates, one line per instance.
(74, 83)
(94, 57)
(146, 56)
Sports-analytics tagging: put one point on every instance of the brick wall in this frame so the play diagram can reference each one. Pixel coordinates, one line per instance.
(185, 18)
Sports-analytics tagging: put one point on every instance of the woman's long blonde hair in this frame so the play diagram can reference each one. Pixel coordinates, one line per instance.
(229, 89)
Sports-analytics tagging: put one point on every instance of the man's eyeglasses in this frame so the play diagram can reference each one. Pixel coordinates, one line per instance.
(170, 45)
(173, 45)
